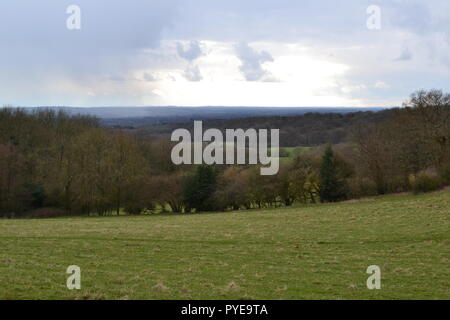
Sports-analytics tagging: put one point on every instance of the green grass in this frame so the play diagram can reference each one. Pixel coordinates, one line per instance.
(314, 252)
(296, 151)
(290, 153)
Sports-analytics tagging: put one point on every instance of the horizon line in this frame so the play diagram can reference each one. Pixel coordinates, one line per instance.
(204, 106)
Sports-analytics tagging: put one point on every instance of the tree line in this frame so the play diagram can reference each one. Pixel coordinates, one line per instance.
(53, 164)
(310, 129)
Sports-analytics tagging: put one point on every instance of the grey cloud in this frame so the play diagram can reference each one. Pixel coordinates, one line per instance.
(281, 20)
(112, 37)
(191, 52)
(410, 15)
(108, 26)
(117, 78)
(192, 73)
(252, 61)
(149, 77)
(405, 54)
(38, 50)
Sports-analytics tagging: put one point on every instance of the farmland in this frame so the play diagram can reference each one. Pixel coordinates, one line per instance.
(300, 252)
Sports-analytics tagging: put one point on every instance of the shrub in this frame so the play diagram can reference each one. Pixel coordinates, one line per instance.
(425, 183)
(445, 174)
(46, 213)
(36, 194)
(361, 187)
(283, 153)
(134, 209)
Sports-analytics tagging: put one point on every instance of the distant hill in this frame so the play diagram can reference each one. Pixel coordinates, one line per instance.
(299, 126)
(141, 116)
(308, 129)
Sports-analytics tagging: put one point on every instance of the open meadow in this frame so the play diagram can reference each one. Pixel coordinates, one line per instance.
(303, 252)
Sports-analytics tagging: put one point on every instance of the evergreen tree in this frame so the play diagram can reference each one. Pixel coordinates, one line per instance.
(199, 189)
(332, 185)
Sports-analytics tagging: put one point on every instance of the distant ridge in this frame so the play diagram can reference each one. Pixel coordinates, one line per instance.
(139, 116)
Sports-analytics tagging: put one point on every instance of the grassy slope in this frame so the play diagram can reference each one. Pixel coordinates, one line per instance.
(315, 252)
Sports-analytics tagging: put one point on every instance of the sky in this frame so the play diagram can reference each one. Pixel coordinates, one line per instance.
(222, 53)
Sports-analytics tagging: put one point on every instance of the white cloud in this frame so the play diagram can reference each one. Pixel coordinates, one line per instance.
(381, 85)
(353, 88)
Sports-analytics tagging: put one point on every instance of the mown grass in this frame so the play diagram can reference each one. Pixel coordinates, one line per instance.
(314, 252)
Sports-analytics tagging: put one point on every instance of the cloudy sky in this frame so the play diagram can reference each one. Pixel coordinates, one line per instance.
(226, 53)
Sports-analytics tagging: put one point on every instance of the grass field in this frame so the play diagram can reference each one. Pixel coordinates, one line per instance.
(296, 151)
(314, 252)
